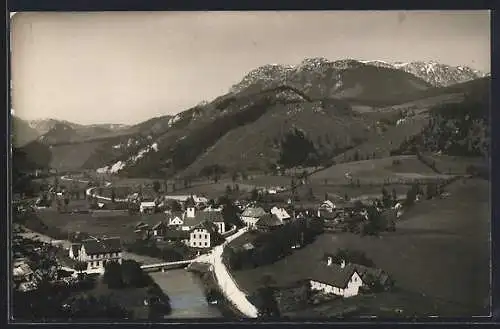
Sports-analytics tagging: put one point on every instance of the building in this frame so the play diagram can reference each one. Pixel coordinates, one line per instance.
(204, 235)
(159, 229)
(341, 280)
(346, 279)
(268, 222)
(281, 213)
(176, 219)
(327, 207)
(96, 252)
(22, 272)
(193, 219)
(177, 236)
(251, 215)
(147, 207)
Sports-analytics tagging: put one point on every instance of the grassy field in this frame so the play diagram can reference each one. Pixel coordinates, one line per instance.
(441, 250)
(377, 171)
(122, 226)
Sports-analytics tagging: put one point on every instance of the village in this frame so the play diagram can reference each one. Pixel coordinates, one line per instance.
(259, 228)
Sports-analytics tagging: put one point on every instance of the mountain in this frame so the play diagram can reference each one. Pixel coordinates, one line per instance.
(309, 71)
(22, 133)
(45, 125)
(320, 78)
(341, 107)
(436, 74)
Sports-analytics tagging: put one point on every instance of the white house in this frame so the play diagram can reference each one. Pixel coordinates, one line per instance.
(341, 280)
(147, 207)
(251, 215)
(176, 219)
(204, 235)
(281, 213)
(96, 252)
(327, 206)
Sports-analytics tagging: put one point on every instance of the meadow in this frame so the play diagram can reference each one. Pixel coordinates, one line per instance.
(440, 249)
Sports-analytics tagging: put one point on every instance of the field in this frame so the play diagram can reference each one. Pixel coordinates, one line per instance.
(377, 171)
(122, 226)
(440, 250)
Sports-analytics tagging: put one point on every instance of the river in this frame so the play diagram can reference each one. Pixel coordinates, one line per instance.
(186, 294)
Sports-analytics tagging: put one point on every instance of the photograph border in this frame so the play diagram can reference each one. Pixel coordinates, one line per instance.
(128, 5)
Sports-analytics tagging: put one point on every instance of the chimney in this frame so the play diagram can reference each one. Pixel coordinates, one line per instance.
(329, 261)
(342, 264)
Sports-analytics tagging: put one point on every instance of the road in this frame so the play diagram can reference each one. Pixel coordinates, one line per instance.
(226, 282)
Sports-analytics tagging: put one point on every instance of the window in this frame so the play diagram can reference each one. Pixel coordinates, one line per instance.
(206, 244)
(206, 236)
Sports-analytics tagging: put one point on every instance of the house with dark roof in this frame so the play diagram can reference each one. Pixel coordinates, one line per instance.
(195, 218)
(342, 280)
(268, 222)
(176, 236)
(252, 214)
(96, 252)
(345, 279)
(204, 235)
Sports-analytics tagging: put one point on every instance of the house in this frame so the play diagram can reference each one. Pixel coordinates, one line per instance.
(159, 229)
(193, 219)
(281, 213)
(22, 272)
(148, 206)
(176, 236)
(204, 235)
(341, 280)
(251, 215)
(268, 222)
(176, 219)
(96, 252)
(346, 279)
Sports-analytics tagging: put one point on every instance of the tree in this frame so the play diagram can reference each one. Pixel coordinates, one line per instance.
(394, 196)
(230, 213)
(296, 149)
(133, 275)
(356, 155)
(255, 194)
(80, 267)
(310, 194)
(156, 186)
(432, 190)
(386, 198)
(113, 275)
(228, 190)
(268, 305)
(411, 196)
(113, 194)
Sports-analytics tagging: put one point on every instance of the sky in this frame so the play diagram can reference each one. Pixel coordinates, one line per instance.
(126, 67)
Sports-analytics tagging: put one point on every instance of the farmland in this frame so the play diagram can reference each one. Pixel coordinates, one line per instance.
(122, 226)
(432, 251)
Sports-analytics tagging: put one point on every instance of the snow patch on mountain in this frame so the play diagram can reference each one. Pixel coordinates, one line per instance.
(118, 166)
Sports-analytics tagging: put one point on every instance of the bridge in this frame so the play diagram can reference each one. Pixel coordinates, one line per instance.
(166, 265)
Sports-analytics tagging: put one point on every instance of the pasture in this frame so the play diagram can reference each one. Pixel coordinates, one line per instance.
(121, 226)
(441, 249)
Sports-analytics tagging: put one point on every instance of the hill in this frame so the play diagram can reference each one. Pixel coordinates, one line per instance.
(22, 133)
